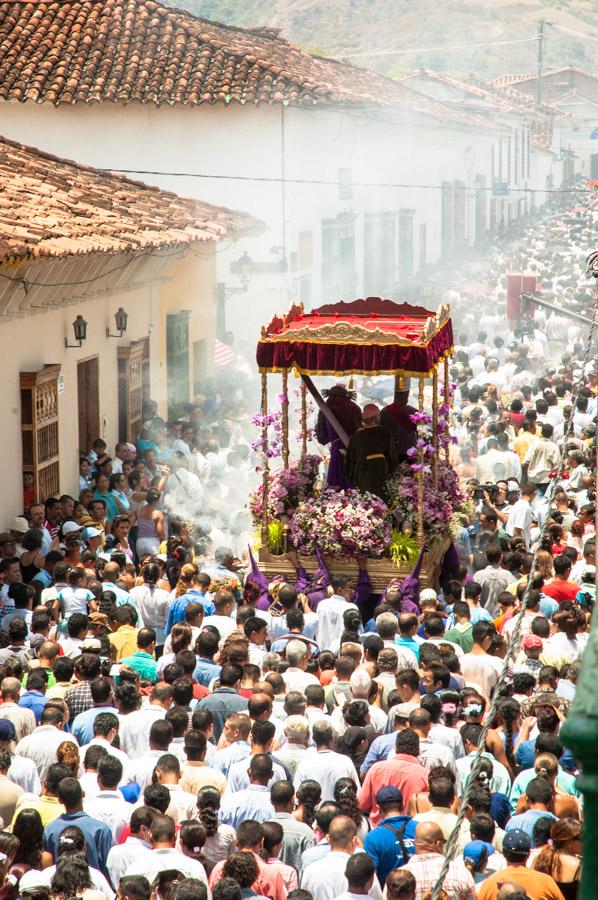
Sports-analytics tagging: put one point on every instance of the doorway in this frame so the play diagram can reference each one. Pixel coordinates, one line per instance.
(177, 362)
(88, 397)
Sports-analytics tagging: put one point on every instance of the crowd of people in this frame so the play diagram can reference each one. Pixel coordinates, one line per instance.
(168, 728)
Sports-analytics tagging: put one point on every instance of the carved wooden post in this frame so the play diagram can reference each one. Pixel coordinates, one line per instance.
(435, 428)
(447, 399)
(303, 420)
(420, 475)
(285, 419)
(266, 470)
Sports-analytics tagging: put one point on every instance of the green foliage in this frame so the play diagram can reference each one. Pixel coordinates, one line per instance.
(275, 536)
(404, 549)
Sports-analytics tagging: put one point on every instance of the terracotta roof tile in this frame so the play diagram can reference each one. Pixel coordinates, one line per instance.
(51, 207)
(124, 51)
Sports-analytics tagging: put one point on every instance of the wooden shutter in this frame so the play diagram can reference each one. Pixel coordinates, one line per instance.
(39, 430)
(132, 367)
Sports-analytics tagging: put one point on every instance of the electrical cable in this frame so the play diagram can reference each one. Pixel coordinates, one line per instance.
(324, 183)
(453, 841)
(389, 52)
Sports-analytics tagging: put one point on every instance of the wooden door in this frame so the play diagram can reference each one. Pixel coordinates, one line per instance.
(131, 362)
(177, 362)
(39, 430)
(88, 391)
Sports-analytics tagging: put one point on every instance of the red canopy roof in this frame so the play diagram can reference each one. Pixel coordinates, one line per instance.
(371, 336)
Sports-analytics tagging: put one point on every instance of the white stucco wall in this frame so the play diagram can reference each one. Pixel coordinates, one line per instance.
(245, 143)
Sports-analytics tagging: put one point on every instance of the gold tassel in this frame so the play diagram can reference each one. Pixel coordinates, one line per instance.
(351, 383)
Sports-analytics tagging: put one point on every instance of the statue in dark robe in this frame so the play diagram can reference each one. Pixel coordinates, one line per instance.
(371, 455)
(342, 403)
(397, 418)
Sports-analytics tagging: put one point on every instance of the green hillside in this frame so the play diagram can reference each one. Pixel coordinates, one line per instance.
(357, 30)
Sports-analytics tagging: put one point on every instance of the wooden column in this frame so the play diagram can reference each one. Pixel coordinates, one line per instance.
(447, 399)
(420, 476)
(303, 420)
(265, 463)
(285, 419)
(435, 428)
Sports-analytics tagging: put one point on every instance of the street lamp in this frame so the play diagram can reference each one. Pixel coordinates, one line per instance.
(121, 318)
(80, 330)
(243, 267)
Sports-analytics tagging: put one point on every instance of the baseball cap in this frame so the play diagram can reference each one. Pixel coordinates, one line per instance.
(531, 641)
(477, 851)
(90, 532)
(7, 730)
(404, 710)
(70, 528)
(389, 794)
(91, 645)
(32, 880)
(517, 841)
(20, 524)
(98, 618)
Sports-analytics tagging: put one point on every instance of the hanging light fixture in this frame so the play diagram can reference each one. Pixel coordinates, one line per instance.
(80, 330)
(121, 318)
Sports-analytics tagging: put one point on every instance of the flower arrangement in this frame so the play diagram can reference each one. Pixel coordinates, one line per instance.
(225, 583)
(286, 489)
(341, 523)
(439, 505)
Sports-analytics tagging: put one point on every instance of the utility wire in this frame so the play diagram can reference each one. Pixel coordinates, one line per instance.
(453, 841)
(391, 52)
(323, 182)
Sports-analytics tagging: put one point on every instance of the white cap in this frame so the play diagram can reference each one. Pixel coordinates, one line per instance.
(20, 524)
(70, 528)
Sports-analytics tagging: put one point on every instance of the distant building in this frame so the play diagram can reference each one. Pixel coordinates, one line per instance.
(574, 92)
(77, 245)
(359, 180)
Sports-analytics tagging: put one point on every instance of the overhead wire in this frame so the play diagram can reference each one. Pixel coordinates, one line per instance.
(453, 841)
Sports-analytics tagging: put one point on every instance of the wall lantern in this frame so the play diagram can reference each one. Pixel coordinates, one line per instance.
(121, 318)
(80, 330)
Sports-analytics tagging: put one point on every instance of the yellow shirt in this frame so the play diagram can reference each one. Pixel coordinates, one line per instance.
(49, 808)
(521, 444)
(125, 641)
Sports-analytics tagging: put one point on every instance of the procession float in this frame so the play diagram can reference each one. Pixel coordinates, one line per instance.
(407, 512)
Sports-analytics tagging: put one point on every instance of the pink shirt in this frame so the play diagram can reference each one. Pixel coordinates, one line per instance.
(268, 882)
(402, 771)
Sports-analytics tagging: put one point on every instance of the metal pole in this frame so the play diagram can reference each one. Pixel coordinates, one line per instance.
(435, 428)
(266, 471)
(420, 477)
(540, 38)
(285, 419)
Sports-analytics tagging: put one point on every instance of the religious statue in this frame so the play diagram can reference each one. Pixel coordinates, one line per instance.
(342, 403)
(371, 455)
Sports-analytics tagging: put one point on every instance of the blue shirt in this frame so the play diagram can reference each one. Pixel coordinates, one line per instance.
(379, 750)
(35, 701)
(526, 821)
(98, 838)
(225, 758)
(121, 595)
(409, 644)
(221, 703)
(548, 606)
(176, 610)
(205, 671)
(384, 846)
(82, 725)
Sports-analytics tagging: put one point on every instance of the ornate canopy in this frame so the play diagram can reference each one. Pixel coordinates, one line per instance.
(371, 336)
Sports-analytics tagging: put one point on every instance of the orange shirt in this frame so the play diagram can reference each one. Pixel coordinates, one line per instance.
(535, 884)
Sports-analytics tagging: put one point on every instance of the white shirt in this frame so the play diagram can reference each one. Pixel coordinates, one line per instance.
(330, 614)
(520, 516)
(23, 772)
(41, 747)
(224, 624)
(153, 608)
(110, 807)
(238, 776)
(151, 862)
(325, 767)
(448, 737)
(71, 647)
(140, 770)
(481, 670)
(183, 805)
(97, 879)
(121, 856)
(112, 751)
(134, 729)
(378, 719)
(297, 680)
(89, 785)
(325, 878)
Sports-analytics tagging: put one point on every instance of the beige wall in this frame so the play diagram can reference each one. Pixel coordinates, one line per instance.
(34, 340)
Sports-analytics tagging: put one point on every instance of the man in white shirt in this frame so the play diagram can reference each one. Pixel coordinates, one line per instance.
(134, 728)
(325, 879)
(121, 856)
(41, 745)
(109, 805)
(183, 805)
(478, 668)
(254, 801)
(141, 769)
(323, 764)
(295, 677)
(23, 719)
(330, 613)
(105, 732)
(164, 857)
(519, 523)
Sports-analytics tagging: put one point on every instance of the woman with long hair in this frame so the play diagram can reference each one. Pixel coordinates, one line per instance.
(308, 795)
(503, 738)
(192, 837)
(187, 576)
(561, 858)
(544, 566)
(67, 754)
(220, 839)
(273, 837)
(30, 854)
(72, 879)
(345, 796)
(121, 526)
(150, 525)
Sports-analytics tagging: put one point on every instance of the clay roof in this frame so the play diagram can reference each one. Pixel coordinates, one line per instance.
(137, 51)
(555, 83)
(51, 207)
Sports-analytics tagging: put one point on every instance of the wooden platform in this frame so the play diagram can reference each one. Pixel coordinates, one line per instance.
(381, 571)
